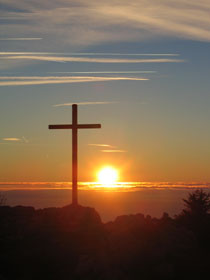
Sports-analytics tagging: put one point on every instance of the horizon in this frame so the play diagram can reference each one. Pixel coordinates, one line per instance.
(115, 185)
(148, 198)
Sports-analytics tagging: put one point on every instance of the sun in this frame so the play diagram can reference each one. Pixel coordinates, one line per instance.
(108, 175)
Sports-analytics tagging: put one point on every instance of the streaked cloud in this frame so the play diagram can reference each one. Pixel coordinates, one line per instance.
(113, 151)
(84, 103)
(91, 59)
(89, 53)
(123, 54)
(20, 81)
(24, 59)
(83, 23)
(107, 72)
(20, 39)
(12, 139)
(23, 139)
(101, 145)
(108, 148)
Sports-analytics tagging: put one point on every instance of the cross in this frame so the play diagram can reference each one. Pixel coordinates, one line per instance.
(74, 126)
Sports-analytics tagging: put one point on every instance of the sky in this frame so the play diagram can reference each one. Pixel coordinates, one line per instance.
(139, 68)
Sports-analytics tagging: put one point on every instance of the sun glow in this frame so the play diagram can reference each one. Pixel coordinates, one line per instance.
(108, 176)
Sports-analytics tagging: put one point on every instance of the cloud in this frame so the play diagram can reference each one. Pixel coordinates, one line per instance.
(23, 59)
(113, 151)
(107, 72)
(12, 139)
(89, 53)
(84, 103)
(101, 145)
(20, 39)
(91, 59)
(122, 54)
(25, 140)
(21, 81)
(6, 140)
(82, 23)
(110, 148)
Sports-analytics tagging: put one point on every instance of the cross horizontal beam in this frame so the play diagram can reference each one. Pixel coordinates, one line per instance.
(70, 126)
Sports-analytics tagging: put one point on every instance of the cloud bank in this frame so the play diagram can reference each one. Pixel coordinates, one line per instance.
(82, 23)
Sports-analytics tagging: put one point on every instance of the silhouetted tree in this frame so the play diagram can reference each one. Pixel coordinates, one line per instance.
(196, 216)
(197, 203)
(2, 199)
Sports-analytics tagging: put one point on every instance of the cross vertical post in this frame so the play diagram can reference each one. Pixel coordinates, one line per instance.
(74, 155)
(74, 126)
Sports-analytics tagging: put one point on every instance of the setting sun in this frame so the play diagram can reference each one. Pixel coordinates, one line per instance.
(108, 175)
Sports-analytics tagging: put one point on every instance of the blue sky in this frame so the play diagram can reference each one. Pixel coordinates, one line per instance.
(140, 69)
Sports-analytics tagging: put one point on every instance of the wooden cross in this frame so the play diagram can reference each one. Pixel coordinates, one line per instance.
(74, 126)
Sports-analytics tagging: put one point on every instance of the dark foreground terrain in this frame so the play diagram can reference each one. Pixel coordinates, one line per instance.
(73, 243)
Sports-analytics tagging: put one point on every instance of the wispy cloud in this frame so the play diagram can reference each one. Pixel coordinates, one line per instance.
(85, 103)
(88, 53)
(20, 81)
(113, 151)
(83, 23)
(20, 39)
(23, 139)
(101, 145)
(12, 139)
(22, 59)
(107, 72)
(122, 54)
(90, 59)
(108, 148)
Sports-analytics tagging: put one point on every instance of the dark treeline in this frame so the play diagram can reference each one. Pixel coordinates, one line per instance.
(72, 243)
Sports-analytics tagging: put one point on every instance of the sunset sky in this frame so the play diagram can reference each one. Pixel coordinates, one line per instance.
(140, 68)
